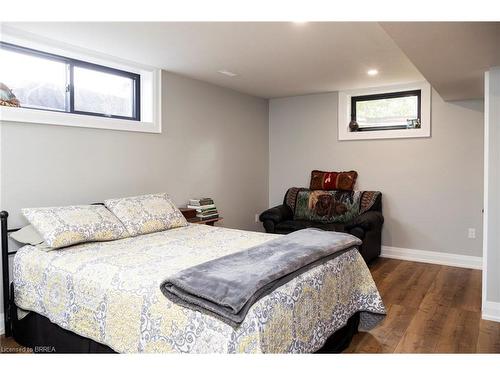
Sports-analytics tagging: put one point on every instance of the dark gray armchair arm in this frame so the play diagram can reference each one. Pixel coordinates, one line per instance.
(368, 221)
(276, 214)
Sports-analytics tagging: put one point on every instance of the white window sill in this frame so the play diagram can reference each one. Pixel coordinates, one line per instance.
(34, 116)
(384, 134)
(151, 89)
(344, 111)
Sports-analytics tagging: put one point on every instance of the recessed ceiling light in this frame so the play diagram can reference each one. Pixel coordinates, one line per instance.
(372, 72)
(227, 73)
(299, 22)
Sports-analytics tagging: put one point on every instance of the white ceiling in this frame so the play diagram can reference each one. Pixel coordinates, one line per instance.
(452, 56)
(271, 59)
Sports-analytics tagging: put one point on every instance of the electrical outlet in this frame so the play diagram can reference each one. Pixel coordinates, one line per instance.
(257, 218)
(472, 233)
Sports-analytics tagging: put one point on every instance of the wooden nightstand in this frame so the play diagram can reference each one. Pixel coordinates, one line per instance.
(190, 215)
(197, 220)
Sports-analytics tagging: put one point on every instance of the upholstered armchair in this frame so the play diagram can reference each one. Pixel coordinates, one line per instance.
(356, 212)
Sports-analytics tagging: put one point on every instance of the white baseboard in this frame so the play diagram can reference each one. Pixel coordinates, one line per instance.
(491, 311)
(434, 257)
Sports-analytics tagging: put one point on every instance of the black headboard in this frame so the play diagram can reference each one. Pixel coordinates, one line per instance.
(7, 313)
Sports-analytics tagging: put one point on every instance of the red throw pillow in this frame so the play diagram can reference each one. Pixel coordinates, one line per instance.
(321, 180)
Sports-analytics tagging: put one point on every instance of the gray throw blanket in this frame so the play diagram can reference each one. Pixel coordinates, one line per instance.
(227, 287)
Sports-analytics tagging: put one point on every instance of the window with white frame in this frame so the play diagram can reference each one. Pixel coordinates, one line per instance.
(48, 84)
(39, 80)
(387, 112)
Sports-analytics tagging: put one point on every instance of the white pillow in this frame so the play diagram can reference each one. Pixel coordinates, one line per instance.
(146, 213)
(27, 236)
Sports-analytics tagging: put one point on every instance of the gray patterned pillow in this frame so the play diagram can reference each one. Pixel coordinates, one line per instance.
(65, 226)
(146, 213)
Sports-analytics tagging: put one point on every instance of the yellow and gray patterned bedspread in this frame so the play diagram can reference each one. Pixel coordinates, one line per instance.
(110, 292)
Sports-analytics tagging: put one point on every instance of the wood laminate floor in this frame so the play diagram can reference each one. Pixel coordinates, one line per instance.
(431, 309)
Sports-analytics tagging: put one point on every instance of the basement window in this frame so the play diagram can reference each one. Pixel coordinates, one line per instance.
(386, 111)
(46, 82)
(38, 80)
(401, 111)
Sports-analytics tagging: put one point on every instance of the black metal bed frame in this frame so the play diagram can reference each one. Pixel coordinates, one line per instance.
(7, 311)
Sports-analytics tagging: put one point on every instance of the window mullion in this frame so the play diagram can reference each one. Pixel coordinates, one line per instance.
(71, 88)
(67, 88)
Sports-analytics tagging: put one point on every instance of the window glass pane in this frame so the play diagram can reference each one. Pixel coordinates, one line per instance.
(36, 82)
(104, 93)
(386, 112)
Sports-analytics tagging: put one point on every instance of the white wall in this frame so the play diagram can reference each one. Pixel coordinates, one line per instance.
(491, 252)
(432, 187)
(214, 143)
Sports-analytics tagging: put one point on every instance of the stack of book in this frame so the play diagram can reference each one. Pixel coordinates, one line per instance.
(205, 208)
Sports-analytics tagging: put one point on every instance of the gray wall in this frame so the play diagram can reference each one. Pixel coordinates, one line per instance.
(433, 187)
(214, 143)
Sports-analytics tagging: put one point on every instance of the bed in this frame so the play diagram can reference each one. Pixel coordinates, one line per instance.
(108, 292)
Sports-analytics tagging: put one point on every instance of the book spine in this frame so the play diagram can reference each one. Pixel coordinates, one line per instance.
(207, 216)
(206, 201)
(200, 202)
(201, 208)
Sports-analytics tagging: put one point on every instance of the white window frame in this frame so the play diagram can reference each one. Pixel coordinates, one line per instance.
(151, 87)
(344, 113)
